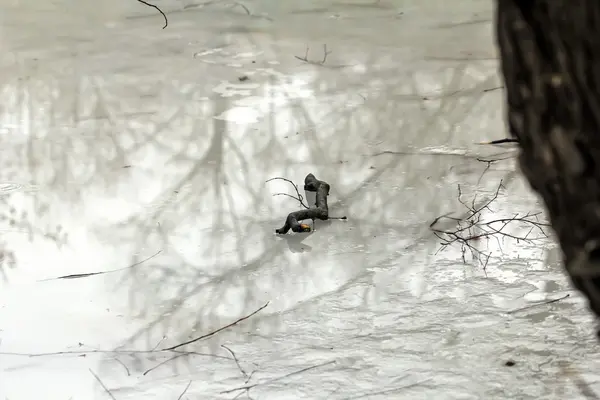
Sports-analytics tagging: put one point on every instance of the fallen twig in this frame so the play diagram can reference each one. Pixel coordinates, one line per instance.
(88, 274)
(249, 377)
(237, 362)
(306, 60)
(83, 353)
(184, 390)
(237, 321)
(539, 304)
(489, 163)
(146, 372)
(159, 10)
(247, 388)
(426, 153)
(235, 3)
(159, 342)
(492, 89)
(321, 211)
(124, 366)
(102, 384)
(500, 141)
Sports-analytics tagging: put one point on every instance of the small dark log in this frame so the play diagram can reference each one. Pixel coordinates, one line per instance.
(321, 211)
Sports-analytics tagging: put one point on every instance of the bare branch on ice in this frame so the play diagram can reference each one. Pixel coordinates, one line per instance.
(321, 211)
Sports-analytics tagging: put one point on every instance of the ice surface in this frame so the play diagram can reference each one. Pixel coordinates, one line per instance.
(119, 139)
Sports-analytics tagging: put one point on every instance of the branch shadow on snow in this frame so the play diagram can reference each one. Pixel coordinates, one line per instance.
(239, 253)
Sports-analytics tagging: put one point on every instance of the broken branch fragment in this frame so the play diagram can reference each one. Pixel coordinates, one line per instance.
(298, 196)
(322, 62)
(321, 211)
(501, 141)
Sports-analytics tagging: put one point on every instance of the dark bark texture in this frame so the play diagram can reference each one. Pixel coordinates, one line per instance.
(550, 60)
(321, 211)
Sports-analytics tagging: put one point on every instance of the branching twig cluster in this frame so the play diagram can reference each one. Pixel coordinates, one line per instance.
(299, 198)
(306, 60)
(472, 228)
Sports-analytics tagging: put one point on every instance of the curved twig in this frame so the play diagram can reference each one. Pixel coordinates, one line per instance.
(158, 9)
(321, 211)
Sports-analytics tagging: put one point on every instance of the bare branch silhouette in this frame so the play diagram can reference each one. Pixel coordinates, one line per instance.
(298, 197)
(124, 366)
(539, 304)
(471, 228)
(88, 274)
(158, 9)
(175, 357)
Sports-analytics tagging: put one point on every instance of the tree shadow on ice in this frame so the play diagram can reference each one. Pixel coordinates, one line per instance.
(198, 180)
(388, 189)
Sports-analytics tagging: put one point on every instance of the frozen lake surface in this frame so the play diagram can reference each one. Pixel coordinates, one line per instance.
(135, 160)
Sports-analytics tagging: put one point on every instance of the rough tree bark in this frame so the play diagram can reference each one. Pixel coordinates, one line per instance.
(550, 60)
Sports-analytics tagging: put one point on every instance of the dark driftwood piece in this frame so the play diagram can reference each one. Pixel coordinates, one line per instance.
(502, 141)
(550, 60)
(321, 211)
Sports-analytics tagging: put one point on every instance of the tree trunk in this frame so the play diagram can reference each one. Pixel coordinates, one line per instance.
(550, 60)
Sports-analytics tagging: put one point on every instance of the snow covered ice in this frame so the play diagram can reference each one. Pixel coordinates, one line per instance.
(144, 153)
